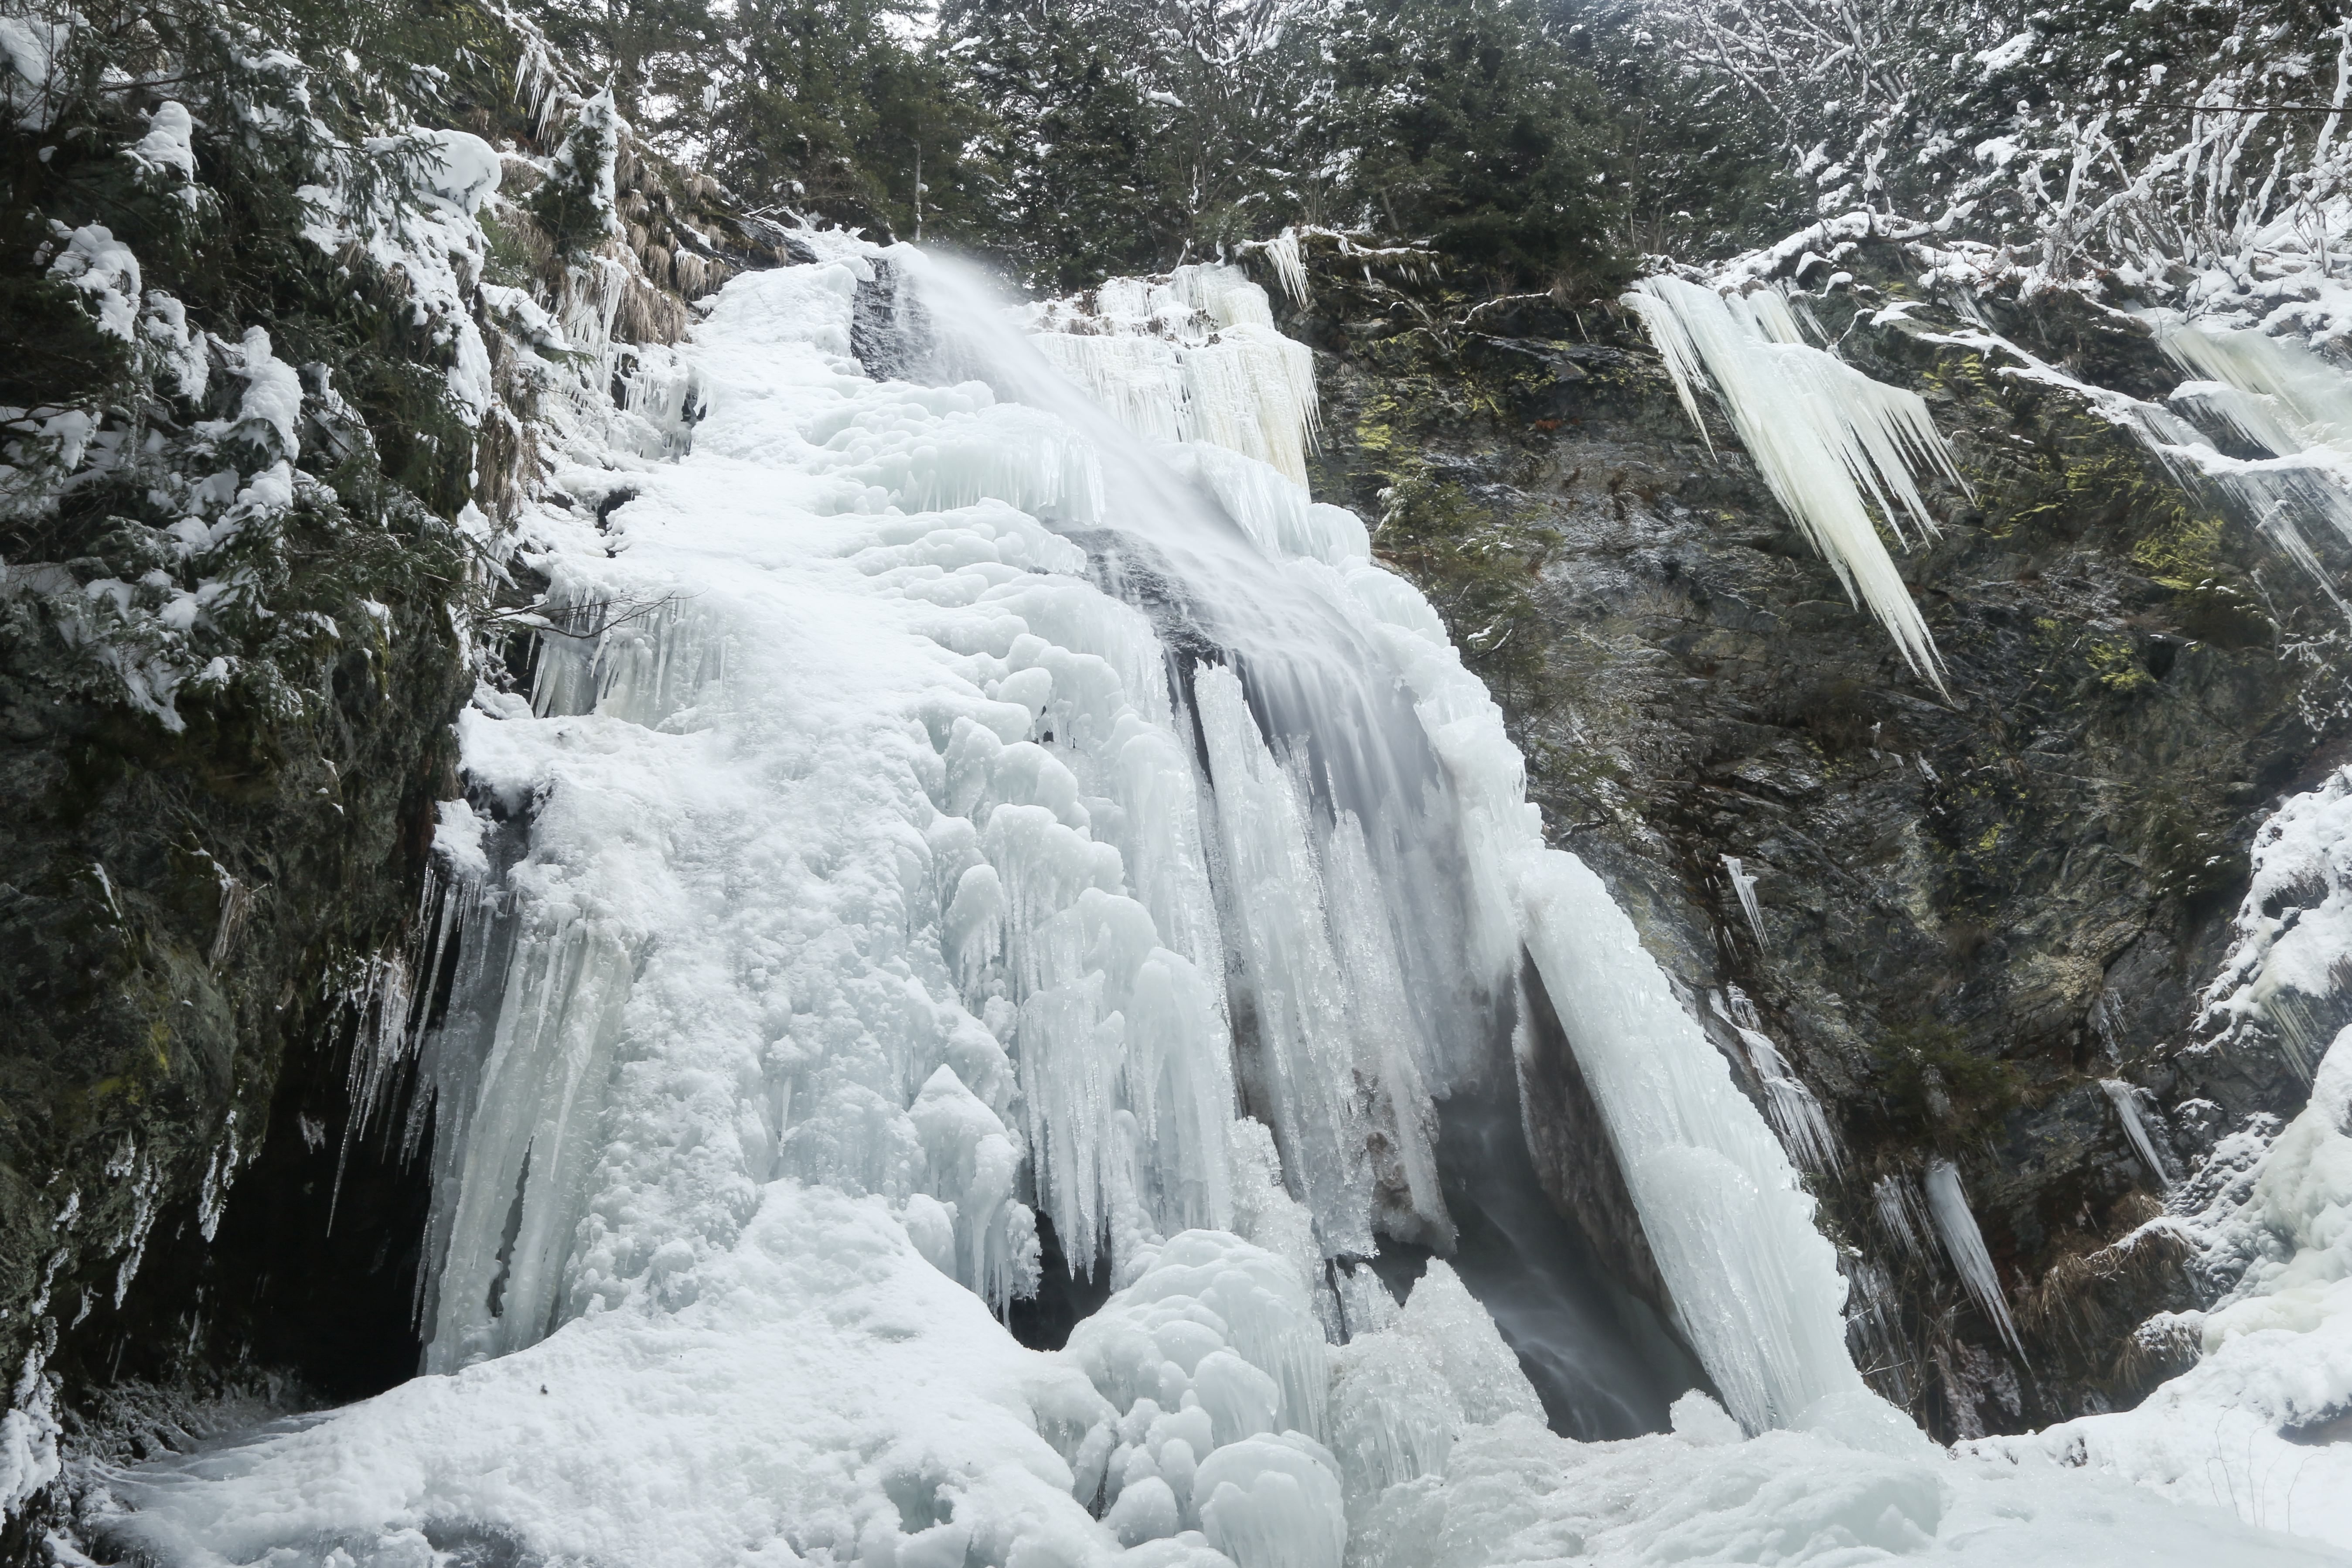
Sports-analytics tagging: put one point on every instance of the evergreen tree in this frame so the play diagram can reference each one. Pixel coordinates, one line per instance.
(1246, 87)
(1083, 189)
(1692, 168)
(819, 107)
(825, 106)
(1464, 123)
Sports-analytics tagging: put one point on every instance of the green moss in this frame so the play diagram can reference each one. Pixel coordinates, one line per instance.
(2117, 663)
(1935, 1089)
(1478, 569)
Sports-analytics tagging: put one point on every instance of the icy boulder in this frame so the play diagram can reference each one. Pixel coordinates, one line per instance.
(1221, 1321)
(1274, 1502)
(1399, 1397)
(1213, 1360)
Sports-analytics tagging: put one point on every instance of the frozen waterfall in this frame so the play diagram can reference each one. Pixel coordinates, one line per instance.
(964, 806)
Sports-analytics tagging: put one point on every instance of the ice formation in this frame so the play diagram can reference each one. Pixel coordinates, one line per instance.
(850, 890)
(1955, 1225)
(2126, 1098)
(1874, 1326)
(1897, 1202)
(1756, 1287)
(1744, 885)
(2257, 390)
(947, 808)
(2273, 391)
(1192, 357)
(1823, 436)
(1793, 1108)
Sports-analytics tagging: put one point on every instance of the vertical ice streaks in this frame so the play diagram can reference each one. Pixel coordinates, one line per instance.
(1956, 1223)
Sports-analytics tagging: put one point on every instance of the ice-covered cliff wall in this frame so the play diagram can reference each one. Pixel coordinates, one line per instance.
(869, 880)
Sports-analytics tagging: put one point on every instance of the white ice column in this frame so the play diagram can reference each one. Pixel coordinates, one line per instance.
(1754, 1285)
(1956, 1222)
(512, 1179)
(1297, 1004)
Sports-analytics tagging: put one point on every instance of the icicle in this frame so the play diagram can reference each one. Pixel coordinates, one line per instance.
(1896, 1203)
(1790, 1106)
(1821, 434)
(1280, 934)
(2126, 1098)
(1875, 1327)
(1957, 1224)
(1745, 886)
(1282, 251)
(513, 1178)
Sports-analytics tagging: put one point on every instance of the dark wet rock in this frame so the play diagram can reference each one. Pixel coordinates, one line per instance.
(1975, 906)
(189, 925)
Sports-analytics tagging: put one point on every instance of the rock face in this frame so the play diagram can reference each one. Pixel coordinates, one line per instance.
(181, 917)
(1972, 909)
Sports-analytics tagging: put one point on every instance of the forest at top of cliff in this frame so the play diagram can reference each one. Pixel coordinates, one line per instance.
(1533, 144)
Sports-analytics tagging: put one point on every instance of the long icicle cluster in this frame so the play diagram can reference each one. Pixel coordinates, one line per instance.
(1823, 434)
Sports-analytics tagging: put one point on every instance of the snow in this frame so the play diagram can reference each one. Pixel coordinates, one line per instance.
(466, 169)
(166, 145)
(597, 121)
(1842, 1494)
(2247, 1427)
(429, 237)
(765, 1421)
(1821, 434)
(458, 838)
(272, 401)
(28, 1440)
(2002, 56)
(106, 272)
(32, 44)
